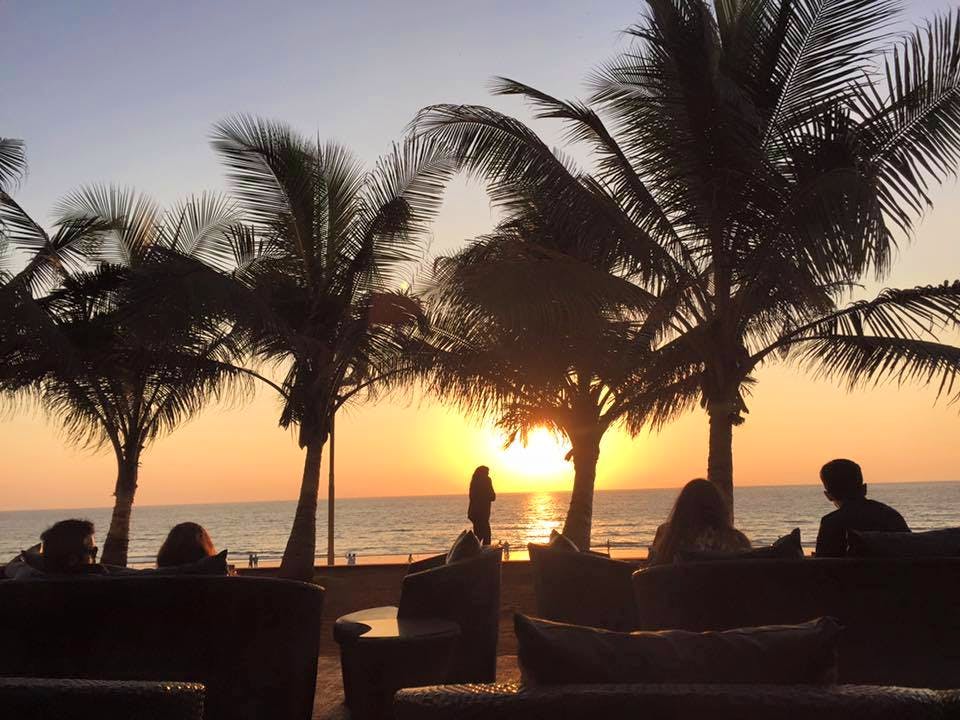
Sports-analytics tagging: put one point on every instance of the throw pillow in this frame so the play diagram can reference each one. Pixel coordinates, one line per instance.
(788, 547)
(554, 653)
(933, 543)
(213, 565)
(559, 541)
(467, 545)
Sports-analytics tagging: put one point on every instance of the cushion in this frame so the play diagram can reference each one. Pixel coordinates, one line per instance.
(559, 541)
(933, 543)
(554, 653)
(213, 565)
(467, 545)
(788, 547)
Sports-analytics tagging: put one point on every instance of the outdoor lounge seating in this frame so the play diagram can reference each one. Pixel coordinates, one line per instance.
(46, 699)
(583, 588)
(898, 655)
(674, 702)
(251, 642)
(464, 595)
(901, 616)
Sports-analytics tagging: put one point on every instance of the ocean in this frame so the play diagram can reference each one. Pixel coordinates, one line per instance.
(382, 528)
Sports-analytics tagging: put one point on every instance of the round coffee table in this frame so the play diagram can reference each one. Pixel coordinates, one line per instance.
(381, 653)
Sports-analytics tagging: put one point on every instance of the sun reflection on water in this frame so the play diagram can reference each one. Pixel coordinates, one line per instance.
(541, 514)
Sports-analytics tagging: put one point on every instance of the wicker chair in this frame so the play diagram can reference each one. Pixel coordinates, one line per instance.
(66, 699)
(583, 588)
(252, 642)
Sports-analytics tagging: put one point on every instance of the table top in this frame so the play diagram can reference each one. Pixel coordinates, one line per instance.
(383, 624)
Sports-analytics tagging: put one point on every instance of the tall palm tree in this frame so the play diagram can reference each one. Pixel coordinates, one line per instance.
(321, 264)
(111, 374)
(501, 345)
(757, 156)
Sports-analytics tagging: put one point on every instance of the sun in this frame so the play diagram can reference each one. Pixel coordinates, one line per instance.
(542, 456)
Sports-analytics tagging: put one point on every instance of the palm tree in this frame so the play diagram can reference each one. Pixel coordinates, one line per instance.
(320, 265)
(758, 157)
(502, 345)
(110, 373)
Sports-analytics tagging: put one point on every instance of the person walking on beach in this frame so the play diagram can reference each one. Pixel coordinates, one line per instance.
(481, 497)
(844, 487)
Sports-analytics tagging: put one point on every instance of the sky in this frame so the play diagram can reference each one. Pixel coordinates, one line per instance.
(127, 92)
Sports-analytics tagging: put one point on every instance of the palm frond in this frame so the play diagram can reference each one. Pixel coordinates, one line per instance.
(13, 163)
(133, 220)
(913, 134)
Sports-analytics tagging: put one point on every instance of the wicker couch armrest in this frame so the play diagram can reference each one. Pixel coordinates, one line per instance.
(655, 702)
(69, 699)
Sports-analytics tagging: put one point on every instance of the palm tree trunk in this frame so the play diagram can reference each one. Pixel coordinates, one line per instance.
(118, 536)
(331, 497)
(579, 522)
(720, 458)
(300, 553)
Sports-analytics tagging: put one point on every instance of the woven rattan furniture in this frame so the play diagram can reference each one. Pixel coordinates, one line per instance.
(901, 617)
(379, 654)
(69, 699)
(675, 702)
(583, 588)
(252, 642)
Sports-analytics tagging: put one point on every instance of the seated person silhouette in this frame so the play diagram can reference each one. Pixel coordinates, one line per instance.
(699, 521)
(844, 487)
(68, 548)
(186, 543)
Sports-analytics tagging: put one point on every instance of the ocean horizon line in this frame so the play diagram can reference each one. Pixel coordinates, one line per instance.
(339, 498)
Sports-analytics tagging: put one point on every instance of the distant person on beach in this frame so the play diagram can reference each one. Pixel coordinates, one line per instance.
(699, 521)
(186, 543)
(481, 497)
(844, 487)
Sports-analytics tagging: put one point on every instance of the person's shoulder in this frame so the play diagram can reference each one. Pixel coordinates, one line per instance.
(882, 509)
(740, 539)
(834, 517)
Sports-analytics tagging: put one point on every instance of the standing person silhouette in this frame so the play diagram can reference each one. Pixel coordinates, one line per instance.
(481, 496)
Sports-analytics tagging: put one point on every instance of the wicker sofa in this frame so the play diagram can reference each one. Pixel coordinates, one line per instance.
(252, 642)
(46, 699)
(583, 588)
(901, 616)
(899, 655)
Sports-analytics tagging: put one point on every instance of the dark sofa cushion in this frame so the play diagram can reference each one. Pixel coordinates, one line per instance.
(467, 545)
(932, 544)
(213, 565)
(555, 653)
(788, 547)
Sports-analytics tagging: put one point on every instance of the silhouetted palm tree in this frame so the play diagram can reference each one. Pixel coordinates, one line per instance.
(502, 344)
(321, 265)
(110, 373)
(758, 157)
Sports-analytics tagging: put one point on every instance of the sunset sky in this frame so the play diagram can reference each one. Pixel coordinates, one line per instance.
(127, 93)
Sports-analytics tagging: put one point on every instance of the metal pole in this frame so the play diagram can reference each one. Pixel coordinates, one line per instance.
(330, 498)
